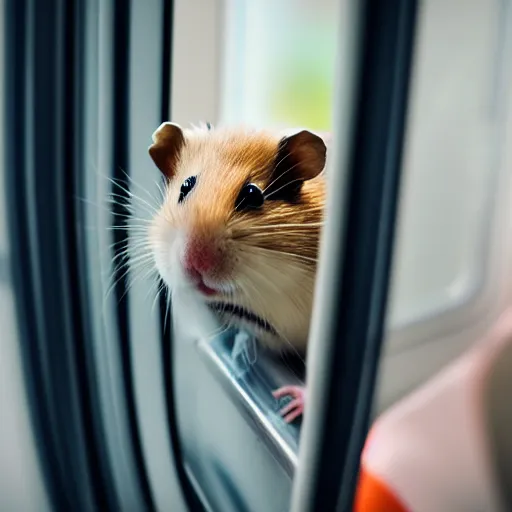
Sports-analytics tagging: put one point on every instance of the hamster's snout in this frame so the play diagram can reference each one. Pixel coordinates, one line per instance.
(201, 255)
(204, 263)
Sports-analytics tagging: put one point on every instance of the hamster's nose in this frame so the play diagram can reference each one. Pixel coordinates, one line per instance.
(200, 257)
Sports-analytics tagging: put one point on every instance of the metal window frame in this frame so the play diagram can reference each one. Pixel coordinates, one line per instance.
(120, 172)
(355, 261)
(76, 354)
(189, 488)
(45, 66)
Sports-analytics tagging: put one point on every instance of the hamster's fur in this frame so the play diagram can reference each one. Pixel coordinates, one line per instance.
(254, 264)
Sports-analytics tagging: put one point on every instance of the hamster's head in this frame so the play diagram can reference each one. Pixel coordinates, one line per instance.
(240, 224)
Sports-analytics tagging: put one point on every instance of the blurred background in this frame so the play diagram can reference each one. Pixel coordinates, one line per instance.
(85, 370)
(264, 63)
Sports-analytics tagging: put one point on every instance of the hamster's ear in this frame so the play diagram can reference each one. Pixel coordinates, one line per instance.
(301, 155)
(168, 140)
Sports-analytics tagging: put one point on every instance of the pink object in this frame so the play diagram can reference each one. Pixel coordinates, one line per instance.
(295, 408)
(431, 450)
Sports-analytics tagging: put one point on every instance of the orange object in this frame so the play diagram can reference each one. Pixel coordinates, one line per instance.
(431, 451)
(374, 495)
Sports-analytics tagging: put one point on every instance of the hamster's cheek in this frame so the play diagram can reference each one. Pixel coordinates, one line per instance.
(175, 250)
(165, 252)
(162, 263)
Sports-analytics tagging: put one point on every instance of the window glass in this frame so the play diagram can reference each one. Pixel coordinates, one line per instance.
(280, 63)
(450, 162)
(450, 255)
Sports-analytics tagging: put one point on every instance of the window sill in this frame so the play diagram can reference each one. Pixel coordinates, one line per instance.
(249, 375)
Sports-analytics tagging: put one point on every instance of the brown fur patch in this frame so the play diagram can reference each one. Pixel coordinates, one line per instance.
(223, 161)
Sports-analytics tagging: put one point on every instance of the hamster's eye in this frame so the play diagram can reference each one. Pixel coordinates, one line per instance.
(251, 196)
(186, 187)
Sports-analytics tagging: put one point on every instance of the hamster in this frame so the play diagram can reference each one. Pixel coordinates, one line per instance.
(240, 223)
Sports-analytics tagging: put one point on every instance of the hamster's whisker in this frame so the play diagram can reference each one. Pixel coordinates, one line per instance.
(132, 250)
(143, 189)
(290, 235)
(131, 259)
(290, 344)
(133, 237)
(263, 275)
(157, 295)
(276, 165)
(280, 176)
(126, 216)
(285, 213)
(288, 183)
(168, 293)
(132, 224)
(132, 281)
(132, 228)
(162, 187)
(132, 195)
(250, 290)
(270, 231)
(306, 225)
(125, 271)
(135, 246)
(105, 208)
(281, 334)
(114, 196)
(129, 208)
(89, 202)
(140, 240)
(156, 288)
(120, 201)
(255, 292)
(133, 254)
(118, 243)
(224, 327)
(284, 253)
(127, 193)
(135, 266)
(119, 273)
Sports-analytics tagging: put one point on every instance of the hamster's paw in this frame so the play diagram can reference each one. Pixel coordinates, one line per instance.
(295, 408)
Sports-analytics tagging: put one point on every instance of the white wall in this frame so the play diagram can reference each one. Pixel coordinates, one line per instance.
(451, 272)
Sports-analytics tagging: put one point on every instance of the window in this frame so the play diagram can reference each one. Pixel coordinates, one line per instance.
(446, 280)
(279, 70)
(149, 410)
